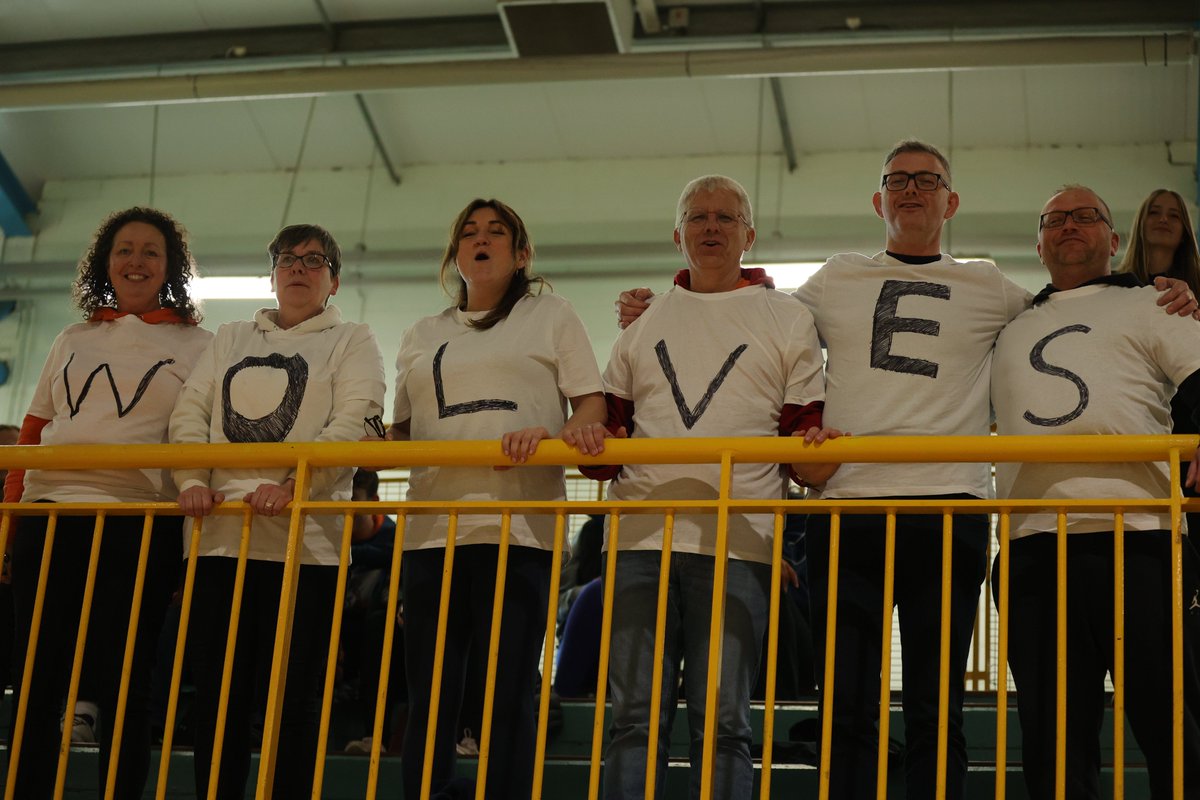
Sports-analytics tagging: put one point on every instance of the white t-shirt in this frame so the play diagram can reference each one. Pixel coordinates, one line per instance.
(721, 364)
(112, 382)
(909, 354)
(257, 382)
(1097, 359)
(456, 383)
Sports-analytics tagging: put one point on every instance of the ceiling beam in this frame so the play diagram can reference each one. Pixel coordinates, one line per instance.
(473, 35)
(806, 17)
(238, 48)
(756, 62)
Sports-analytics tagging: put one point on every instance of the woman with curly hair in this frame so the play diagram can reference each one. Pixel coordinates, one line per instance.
(112, 379)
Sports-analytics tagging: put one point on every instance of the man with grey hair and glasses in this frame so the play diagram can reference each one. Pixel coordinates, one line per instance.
(720, 354)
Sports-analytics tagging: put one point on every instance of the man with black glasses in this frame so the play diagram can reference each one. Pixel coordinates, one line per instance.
(1095, 355)
(909, 334)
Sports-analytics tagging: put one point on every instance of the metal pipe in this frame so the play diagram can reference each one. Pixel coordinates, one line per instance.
(740, 63)
(785, 128)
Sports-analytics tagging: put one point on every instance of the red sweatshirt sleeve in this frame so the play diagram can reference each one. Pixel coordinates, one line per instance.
(800, 418)
(31, 433)
(795, 418)
(620, 415)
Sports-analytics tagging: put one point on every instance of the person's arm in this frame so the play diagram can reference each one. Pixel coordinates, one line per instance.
(1189, 394)
(806, 422)
(1177, 296)
(358, 389)
(190, 423)
(585, 430)
(41, 412)
(804, 415)
(619, 425)
(30, 433)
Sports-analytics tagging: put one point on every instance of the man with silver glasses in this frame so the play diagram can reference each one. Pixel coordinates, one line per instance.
(909, 334)
(1094, 356)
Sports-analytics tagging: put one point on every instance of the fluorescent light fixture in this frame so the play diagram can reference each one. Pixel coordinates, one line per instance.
(790, 274)
(232, 288)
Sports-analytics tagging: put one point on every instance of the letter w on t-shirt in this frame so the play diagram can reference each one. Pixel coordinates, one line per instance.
(887, 324)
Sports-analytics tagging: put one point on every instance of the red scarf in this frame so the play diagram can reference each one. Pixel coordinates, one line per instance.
(159, 316)
(754, 276)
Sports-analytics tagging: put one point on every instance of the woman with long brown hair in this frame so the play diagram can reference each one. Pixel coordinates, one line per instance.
(502, 362)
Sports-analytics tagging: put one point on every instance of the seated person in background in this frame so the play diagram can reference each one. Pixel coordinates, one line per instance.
(580, 613)
(364, 618)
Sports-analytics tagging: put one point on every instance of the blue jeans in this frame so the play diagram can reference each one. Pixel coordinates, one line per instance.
(689, 612)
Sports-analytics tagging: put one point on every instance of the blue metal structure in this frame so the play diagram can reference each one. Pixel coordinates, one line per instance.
(15, 203)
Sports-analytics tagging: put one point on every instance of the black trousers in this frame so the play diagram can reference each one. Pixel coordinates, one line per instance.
(104, 650)
(1033, 653)
(918, 597)
(522, 630)
(212, 604)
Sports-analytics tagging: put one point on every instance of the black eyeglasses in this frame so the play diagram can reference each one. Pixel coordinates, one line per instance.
(309, 260)
(1087, 215)
(926, 181)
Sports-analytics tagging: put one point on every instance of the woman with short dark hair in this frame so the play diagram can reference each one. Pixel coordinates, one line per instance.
(295, 373)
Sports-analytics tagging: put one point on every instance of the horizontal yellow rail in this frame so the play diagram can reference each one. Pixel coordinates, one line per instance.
(848, 450)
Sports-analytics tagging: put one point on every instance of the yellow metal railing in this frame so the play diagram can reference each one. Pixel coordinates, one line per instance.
(726, 452)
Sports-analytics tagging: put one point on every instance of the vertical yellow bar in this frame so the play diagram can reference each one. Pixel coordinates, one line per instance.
(385, 662)
(85, 616)
(335, 635)
(885, 653)
(235, 615)
(1118, 655)
(539, 753)
(1002, 660)
(283, 636)
(185, 613)
(835, 540)
(39, 602)
(1060, 718)
(439, 654)
(716, 631)
(135, 612)
(489, 686)
(944, 660)
(1176, 629)
(772, 656)
(610, 572)
(660, 643)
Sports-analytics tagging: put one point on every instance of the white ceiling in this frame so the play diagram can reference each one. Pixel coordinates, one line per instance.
(1017, 106)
